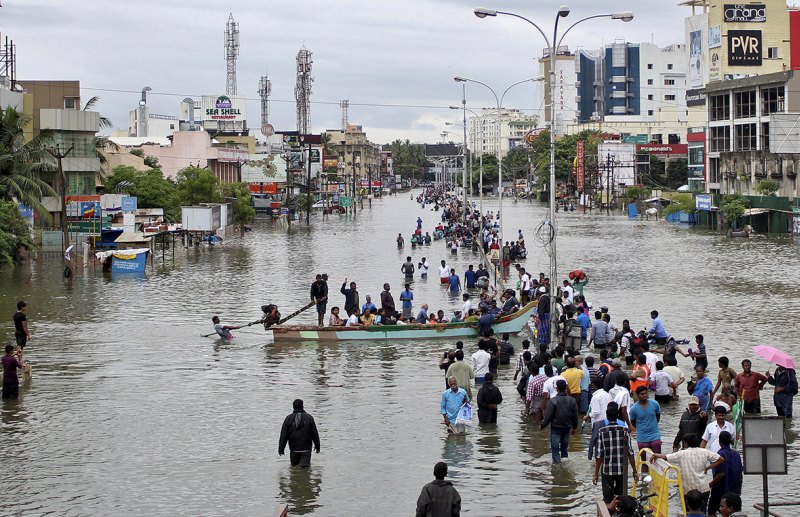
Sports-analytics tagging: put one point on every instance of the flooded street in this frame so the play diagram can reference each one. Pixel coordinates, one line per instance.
(131, 412)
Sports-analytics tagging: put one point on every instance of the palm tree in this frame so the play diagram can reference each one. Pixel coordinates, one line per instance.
(102, 144)
(21, 162)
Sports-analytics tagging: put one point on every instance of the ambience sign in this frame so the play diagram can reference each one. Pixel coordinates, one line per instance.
(745, 13)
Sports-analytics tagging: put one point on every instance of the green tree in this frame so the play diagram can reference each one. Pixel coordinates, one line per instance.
(733, 207)
(239, 194)
(680, 203)
(15, 235)
(767, 187)
(197, 185)
(150, 187)
(137, 152)
(152, 162)
(408, 158)
(566, 149)
(22, 163)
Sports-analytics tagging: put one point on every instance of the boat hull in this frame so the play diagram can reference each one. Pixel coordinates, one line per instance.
(512, 324)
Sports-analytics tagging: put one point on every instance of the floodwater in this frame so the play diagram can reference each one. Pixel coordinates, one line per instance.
(132, 412)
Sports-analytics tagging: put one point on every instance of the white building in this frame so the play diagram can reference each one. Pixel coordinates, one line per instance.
(482, 131)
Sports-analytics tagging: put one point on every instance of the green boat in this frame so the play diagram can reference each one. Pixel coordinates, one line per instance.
(512, 323)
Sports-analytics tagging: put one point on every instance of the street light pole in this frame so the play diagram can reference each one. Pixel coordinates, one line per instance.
(464, 159)
(553, 46)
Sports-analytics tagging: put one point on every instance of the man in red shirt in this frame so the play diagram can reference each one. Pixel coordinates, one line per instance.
(748, 386)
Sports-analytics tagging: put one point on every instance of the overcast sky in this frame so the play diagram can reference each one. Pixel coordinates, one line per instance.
(393, 59)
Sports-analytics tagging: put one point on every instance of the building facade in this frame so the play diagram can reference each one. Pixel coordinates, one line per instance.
(483, 131)
(356, 155)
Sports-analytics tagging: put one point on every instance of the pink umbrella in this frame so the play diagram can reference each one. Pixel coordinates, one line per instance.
(774, 355)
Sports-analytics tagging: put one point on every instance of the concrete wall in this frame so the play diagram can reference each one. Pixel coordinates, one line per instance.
(50, 95)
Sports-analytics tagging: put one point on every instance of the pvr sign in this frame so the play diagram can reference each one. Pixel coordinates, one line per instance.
(744, 48)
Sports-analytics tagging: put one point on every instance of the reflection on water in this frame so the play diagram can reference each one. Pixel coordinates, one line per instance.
(300, 489)
(132, 412)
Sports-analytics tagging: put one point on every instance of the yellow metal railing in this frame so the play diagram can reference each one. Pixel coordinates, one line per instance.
(666, 477)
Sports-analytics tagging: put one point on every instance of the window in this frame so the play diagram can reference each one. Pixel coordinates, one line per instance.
(669, 82)
(696, 155)
(765, 136)
(772, 53)
(719, 107)
(744, 104)
(713, 170)
(649, 113)
(649, 66)
(650, 82)
(669, 66)
(772, 100)
(656, 138)
(72, 103)
(673, 139)
(745, 137)
(720, 139)
(650, 97)
(669, 97)
(172, 126)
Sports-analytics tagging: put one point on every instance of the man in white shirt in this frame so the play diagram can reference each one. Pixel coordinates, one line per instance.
(524, 287)
(713, 429)
(598, 406)
(467, 305)
(570, 292)
(352, 321)
(674, 372)
(622, 396)
(650, 358)
(423, 268)
(480, 362)
(549, 386)
(444, 273)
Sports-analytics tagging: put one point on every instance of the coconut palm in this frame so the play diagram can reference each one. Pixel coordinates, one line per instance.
(21, 162)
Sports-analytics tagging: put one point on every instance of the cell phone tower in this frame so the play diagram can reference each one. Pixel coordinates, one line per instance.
(344, 104)
(302, 90)
(264, 91)
(231, 53)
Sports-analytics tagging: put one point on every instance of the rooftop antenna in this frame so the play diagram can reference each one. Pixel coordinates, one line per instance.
(302, 90)
(264, 91)
(231, 53)
(344, 104)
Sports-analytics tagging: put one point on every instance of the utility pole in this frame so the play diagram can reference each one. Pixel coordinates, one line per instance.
(58, 155)
(608, 184)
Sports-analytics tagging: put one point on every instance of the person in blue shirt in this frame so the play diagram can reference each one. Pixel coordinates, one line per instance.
(406, 297)
(452, 400)
(470, 277)
(422, 317)
(645, 415)
(657, 329)
(419, 223)
(703, 388)
(584, 321)
(367, 307)
(455, 281)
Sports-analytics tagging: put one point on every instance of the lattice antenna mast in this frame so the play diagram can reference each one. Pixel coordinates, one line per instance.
(302, 90)
(231, 53)
(344, 105)
(264, 91)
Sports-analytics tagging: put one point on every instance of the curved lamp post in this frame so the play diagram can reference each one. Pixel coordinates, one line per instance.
(552, 46)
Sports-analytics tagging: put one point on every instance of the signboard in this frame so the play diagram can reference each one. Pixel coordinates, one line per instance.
(715, 69)
(315, 156)
(263, 188)
(744, 13)
(130, 203)
(264, 168)
(310, 139)
(744, 48)
(533, 134)
(682, 149)
(695, 59)
(25, 211)
(345, 201)
(702, 202)
(715, 36)
(695, 98)
(330, 164)
(494, 256)
(232, 155)
(580, 173)
(375, 183)
(636, 139)
(223, 108)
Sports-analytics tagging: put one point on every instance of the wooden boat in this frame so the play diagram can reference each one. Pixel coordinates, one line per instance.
(513, 324)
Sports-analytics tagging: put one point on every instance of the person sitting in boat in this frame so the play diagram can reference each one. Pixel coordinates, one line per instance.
(354, 319)
(511, 304)
(456, 317)
(432, 319)
(223, 330)
(335, 320)
(440, 316)
(367, 317)
(271, 315)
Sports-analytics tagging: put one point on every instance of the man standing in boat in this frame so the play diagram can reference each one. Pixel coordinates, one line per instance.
(387, 302)
(319, 294)
(350, 297)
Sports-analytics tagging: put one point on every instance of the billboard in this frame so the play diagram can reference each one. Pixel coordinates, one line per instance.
(264, 168)
(744, 48)
(715, 36)
(702, 202)
(580, 172)
(695, 59)
(744, 13)
(715, 69)
(223, 108)
(784, 133)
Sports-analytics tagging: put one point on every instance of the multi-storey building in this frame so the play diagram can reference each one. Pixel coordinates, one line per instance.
(483, 131)
(357, 156)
